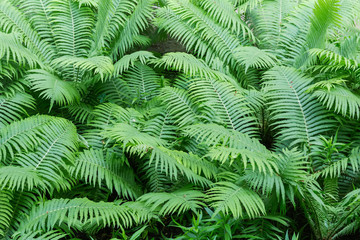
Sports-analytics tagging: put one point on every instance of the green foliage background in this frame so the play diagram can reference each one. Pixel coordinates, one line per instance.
(249, 131)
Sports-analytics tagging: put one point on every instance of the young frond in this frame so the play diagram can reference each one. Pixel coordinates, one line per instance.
(228, 198)
(178, 202)
(297, 114)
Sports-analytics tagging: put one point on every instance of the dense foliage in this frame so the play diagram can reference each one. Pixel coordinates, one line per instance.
(249, 130)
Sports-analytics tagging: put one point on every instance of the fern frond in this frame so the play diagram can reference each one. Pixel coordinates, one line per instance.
(228, 104)
(177, 202)
(155, 179)
(81, 112)
(181, 108)
(285, 181)
(224, 13)
(98, 65)
(214, 135)
(104, 115)
(328, 57)
(325, 13)
(136, 22)
(143, 82)
(19, 178)
(256, 160)
(39, 13)
(293, 36)
(221, 40)
(169, 21)
(13, 108)
(299, 117)
(162, 126)
(340, 100)
(174, 163)
(72, 27)
(131, 137)
(6, 211)
(255, 58)
(228, 198)
(22, 203)
(95, 168)
(268, 20)
(51, 213)
(11, 19)
(40, 235)
(55, 150)
(129, 60)
(53, 88)
(22, 135)
(116, 90)
(11, 48)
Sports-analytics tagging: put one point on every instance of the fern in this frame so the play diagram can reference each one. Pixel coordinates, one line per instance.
(14, 107)
(96, 167)
(229, 198)
(54, 212)
(300, 117)
(177, 202)
(340, 100)
(53, 88)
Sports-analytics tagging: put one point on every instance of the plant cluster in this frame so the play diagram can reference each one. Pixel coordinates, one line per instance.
(250, 131)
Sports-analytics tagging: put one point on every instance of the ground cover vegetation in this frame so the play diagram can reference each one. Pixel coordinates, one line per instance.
(247, 129)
